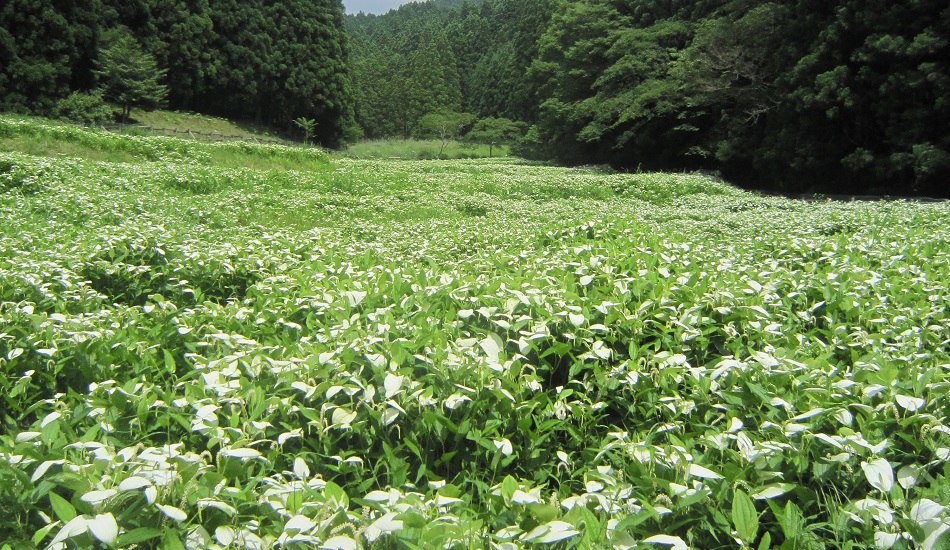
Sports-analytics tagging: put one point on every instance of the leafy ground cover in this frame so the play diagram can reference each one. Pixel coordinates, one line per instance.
(460, 354)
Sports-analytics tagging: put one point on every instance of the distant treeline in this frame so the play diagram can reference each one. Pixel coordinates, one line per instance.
(271, 61)
(850, 96)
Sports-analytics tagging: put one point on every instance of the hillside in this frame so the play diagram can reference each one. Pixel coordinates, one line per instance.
(197, 352)
(269, 62)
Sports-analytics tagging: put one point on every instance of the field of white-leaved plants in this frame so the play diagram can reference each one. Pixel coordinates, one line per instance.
(465, 354)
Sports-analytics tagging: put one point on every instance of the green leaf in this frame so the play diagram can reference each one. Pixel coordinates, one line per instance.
(136, 536)
(766, 541)
(169, 360)
(412, 519)
(508, 487)
(170, 540)
(42, 533)
(791, 521)
(744, 517)
(544, 512)
(62, 508)
(294, 501)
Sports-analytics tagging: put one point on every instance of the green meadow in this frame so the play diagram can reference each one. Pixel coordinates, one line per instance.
(231, 345)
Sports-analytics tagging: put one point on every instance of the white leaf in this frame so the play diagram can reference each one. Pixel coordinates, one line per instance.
(392, 384)
(601, 350)
(696, 470)
(577, 319)
(50, 418)
(504, 445)
(735, 425)
(521, 497)
(339, 543)
(342, 417)
(807, 415)
(844, 416)
(667, 540)
(218, 505)
(911, 404)
(934, 536)
(492, 345)
(299, 524)
(765, 359)
(456, 399)
(355, 297)
(104, 528)
(443, 501)
(134, 483)
(23, 437)
(772, 491)
(301, 470)
(73, 528)
(466, 313)
(95, 497)
(924, 511)
(885, 540)
(550, 532)
(377, 496)
(173, 513)
(389, 416)
(593, 486)
(880, 511)
(198, 537)
(43, 468)
(382, 526)
(586, 280)
(151, 493)
(907, 476)
(243, 453)
(224, 535)
(880, 474)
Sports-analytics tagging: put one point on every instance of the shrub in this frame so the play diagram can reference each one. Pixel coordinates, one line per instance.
(85, 108)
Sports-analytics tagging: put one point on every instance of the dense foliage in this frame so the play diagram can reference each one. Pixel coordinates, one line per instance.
(272, 62)
(464, 354)
(423, 58)
(848, 96)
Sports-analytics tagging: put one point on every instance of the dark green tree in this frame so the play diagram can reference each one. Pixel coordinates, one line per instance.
(179, 35)
(848, 96)
(280, 61)
(130, 77)
(47, 50)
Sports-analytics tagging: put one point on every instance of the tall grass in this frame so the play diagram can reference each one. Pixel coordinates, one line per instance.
(414, 149)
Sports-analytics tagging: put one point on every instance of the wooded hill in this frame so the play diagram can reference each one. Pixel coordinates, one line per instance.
(808, 95)
(272, 62)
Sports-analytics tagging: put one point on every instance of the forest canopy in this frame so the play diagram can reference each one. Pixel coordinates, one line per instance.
(272, 62)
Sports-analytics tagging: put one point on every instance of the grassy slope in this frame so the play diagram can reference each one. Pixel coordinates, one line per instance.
(413, 149)
(33, 137)
(199, 123)
(553, 348)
